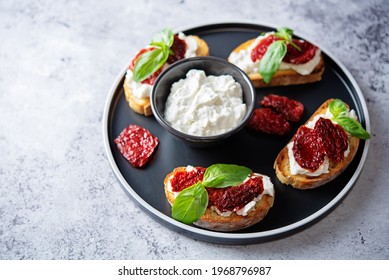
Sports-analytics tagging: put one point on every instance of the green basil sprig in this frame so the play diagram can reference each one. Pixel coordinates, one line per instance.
(151, 61)
(337, 107)
(275, 53)
(188, 206)
(338, 110)
(225, 175)
(271, 60)
(191, 203)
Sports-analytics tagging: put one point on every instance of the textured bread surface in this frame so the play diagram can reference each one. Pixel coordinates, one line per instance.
(282, 167)
(213, 221)
(284, 77)
(142, 105)
(138, 105)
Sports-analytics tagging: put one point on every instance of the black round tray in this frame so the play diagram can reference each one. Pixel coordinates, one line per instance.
(293, 209)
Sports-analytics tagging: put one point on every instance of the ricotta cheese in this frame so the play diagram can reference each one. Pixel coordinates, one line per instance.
(242, 59)
(205, 105)
(140, 90)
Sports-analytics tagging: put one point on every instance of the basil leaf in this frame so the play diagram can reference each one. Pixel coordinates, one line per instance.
(190, 204)
(166, 36)
(353, 127)
(336, 107)
(225, 175)
(284, 33)
(149, 62)
(158, 44)
(272, 59)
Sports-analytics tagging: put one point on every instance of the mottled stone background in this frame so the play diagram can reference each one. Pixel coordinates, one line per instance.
(59, 198)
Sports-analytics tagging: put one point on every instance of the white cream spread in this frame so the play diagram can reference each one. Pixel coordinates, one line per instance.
(268, 189)
(140, 90)
(295, 168)
(205, 105)
(243, 60)
(191, 45)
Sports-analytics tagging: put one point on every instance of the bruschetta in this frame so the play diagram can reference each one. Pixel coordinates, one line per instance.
(322, 148)
(137, 92)
(288, 62)
(228, 209)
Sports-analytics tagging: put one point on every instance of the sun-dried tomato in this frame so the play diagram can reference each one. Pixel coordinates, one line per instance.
(326, 139)
(334, 139)
(178, 48)
(290, 109)
(293, 55)
(259, 50)
(235, 198)
(185, 179)
(308, 149)
(306, 53)
(136, 144)
(268, 121)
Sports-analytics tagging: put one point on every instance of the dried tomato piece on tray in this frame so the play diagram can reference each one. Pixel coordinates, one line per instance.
(268, 121)
(136, 144)
(290, 109)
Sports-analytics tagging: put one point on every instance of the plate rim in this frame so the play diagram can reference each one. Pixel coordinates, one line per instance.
(233, 237)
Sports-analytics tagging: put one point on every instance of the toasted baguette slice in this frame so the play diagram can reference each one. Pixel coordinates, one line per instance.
(142, 105)
(139, 105)
(283, 77)
(202, 49)
(282, 166)
(213, 221)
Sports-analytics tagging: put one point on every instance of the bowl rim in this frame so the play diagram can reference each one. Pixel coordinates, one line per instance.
(210, 138)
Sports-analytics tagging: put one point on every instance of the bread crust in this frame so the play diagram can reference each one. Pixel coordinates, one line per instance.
(284, 77)
(298, 181)
(139, 105)
(142, 105)
(213, 221)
